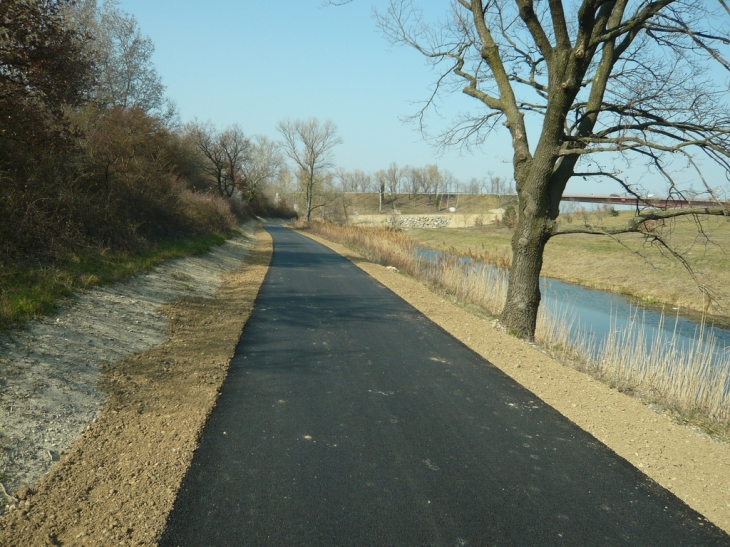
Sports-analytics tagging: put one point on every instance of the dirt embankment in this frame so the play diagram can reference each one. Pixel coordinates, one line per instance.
(119, 480)
(49, 372)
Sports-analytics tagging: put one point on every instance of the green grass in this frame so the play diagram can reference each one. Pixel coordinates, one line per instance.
(28, 292)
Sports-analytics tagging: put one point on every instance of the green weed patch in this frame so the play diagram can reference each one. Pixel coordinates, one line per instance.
(31, 291)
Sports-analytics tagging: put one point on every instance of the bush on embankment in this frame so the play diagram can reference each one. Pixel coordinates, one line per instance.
(96, 180)
(112, 197)
(691, 383)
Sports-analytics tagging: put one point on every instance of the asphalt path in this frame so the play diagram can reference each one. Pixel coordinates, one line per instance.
(350, 419)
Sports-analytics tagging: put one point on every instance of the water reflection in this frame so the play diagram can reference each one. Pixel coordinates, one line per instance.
(595, 313)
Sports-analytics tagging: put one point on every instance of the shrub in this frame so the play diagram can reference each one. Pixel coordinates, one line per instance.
(207, 212)
(509, 219)
(263, 207)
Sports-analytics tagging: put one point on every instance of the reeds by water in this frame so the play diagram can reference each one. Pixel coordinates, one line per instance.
(690, 381)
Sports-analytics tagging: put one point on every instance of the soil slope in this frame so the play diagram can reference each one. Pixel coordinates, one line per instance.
(118, 482)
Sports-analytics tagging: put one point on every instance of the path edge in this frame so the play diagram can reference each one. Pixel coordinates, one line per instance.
(693, 467)
(103, 492)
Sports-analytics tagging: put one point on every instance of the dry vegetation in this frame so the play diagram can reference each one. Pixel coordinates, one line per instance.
(97, 181)
(367, 203)
(685, 383)
(692, 466)
(626, 265)
(119, 199)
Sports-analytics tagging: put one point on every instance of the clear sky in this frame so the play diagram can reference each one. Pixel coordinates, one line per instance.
(255, 62)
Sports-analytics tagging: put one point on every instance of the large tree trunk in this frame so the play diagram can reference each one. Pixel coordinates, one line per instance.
(539, 189)
(528, 245)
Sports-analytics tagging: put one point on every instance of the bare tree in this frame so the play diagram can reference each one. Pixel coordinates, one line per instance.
(205, 138)
(381, 182)
(474, 186)
(412, 177)
(394, 175)
(354, 181)
(284, 185)
(262, 168)
(347, 185)
(310, 145)
(432, 181)
(497, 185)
(236, 149)
(224, 153)
(122, 55)
(346, 180)
(579, 87)
(361, 180)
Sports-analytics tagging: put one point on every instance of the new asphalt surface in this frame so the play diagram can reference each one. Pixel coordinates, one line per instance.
(349, 419)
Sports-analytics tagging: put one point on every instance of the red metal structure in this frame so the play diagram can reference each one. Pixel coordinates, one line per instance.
(644, 201)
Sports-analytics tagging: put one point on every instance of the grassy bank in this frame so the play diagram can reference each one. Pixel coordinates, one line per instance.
(685, 383)
(27, 292)
(627, 265)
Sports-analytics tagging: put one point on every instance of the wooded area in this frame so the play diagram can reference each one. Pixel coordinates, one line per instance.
(94, 163)
(92, 156)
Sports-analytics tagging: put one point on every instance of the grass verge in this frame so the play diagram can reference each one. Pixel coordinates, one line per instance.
(28, 292)
(686, 384)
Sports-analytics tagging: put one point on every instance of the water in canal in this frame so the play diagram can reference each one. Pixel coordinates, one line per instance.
(594, 314)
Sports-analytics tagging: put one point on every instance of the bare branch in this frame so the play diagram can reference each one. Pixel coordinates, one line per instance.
(618, 79)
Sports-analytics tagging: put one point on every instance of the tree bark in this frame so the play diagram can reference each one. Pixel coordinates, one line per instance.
(523, 290)
(309, 203)
(536, 218)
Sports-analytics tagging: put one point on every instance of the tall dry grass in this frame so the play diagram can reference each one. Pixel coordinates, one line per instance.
(690, 381)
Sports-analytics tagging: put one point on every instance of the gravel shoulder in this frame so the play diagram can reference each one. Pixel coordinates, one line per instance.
(688, 463)
(50, 372)
(117, 483)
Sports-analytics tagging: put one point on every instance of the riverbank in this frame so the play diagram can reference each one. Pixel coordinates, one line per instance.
(626, 265)
(687, 381)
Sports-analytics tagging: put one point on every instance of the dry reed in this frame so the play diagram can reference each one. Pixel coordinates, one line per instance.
(691, 381)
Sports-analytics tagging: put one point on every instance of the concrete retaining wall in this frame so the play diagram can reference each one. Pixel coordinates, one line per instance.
(448, 220)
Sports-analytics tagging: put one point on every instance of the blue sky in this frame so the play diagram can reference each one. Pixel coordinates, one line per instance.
(254, 62)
